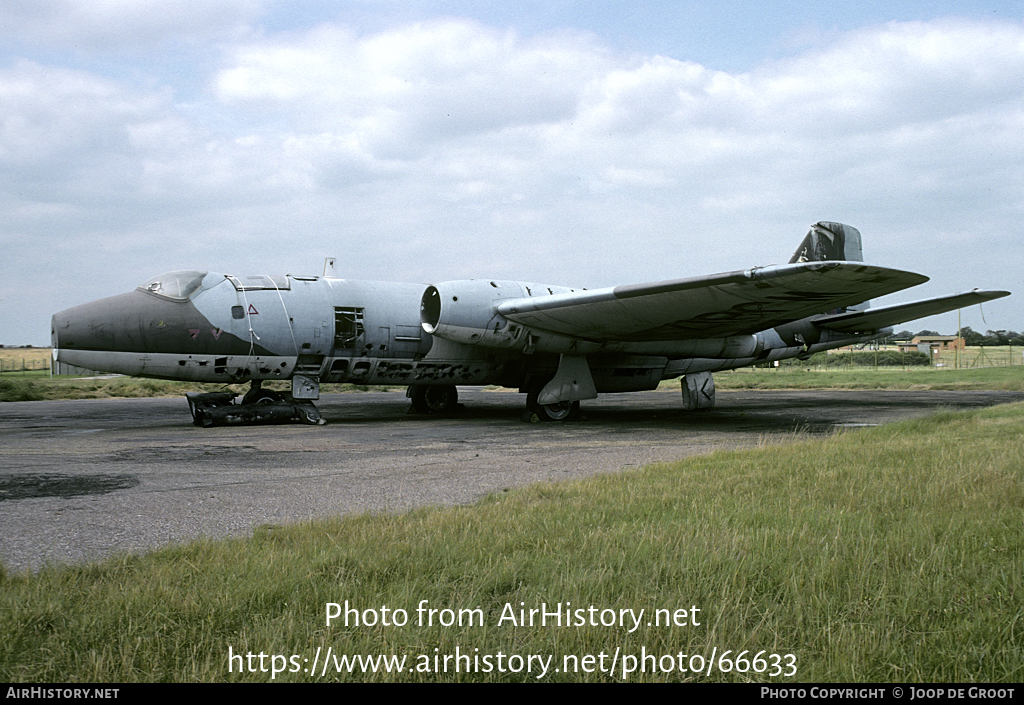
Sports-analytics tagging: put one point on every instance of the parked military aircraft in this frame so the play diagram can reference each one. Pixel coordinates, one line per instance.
(558, 345)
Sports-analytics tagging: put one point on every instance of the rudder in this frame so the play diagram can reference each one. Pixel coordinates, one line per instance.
(829, 241)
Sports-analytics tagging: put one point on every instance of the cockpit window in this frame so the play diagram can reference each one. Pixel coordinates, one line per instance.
(175, 285)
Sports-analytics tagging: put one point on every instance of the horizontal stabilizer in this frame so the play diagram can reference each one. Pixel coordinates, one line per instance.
(878, 318)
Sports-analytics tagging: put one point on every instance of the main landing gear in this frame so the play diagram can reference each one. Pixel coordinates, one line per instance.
(559, 411)
(444, 399)
(433, 399)
(698, 391)
(258, 406)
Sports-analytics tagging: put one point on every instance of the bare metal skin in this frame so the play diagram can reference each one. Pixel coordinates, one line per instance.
(559, 345)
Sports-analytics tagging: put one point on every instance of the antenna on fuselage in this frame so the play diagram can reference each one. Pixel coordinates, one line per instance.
(329, 270)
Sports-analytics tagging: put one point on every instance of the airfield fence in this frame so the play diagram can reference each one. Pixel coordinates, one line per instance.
(891, 358)
(24, 365)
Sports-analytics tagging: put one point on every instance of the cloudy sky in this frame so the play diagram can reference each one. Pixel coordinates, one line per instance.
(583, 143)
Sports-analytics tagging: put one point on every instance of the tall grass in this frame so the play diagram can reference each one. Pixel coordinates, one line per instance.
(885, 554)
(18, 360)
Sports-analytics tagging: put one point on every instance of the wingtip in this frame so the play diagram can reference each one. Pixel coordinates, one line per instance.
(987, 294)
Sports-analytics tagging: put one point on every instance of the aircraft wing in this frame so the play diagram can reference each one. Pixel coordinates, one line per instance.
(719, 305)
(885, 316)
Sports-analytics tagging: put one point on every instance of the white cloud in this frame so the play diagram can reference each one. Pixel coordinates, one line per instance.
(451, 94)
(450, 148)
(399, 92)
(103, 25)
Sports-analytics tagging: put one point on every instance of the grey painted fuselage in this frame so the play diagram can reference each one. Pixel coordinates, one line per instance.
(558, 344)
(232, 329)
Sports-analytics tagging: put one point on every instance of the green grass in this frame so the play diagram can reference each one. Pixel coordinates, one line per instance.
(925, 378)
(37, 388)
(41, 389)
(890, 554)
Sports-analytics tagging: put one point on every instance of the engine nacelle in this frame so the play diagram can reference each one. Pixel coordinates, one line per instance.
(464, 312)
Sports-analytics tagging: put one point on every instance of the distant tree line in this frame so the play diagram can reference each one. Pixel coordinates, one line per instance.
(971, 337)
(991, 337)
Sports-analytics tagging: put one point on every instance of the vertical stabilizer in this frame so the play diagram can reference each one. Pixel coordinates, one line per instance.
(830, 241)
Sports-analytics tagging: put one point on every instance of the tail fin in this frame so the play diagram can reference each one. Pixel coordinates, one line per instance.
(832, 241)
(829, 241)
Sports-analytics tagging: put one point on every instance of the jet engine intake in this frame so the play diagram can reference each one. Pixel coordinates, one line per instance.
(465, 312)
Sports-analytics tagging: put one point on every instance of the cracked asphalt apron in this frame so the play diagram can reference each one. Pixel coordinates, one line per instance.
(82, 480)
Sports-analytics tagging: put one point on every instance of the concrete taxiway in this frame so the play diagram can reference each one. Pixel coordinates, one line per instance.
(81, 480)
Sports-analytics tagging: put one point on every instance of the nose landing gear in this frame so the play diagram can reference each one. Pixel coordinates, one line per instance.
(258, 406)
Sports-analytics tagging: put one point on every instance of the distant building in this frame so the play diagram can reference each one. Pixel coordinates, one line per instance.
(931, 344)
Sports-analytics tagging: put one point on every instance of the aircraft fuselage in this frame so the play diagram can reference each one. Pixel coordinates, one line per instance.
(558, 344)
(235, 329)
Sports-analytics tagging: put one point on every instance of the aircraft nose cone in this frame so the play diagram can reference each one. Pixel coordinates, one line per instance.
(107, 324)
(118, 333)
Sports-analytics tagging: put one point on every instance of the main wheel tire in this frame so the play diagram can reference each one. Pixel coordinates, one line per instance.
(562, 411)
(428, 399)
(559, 411)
